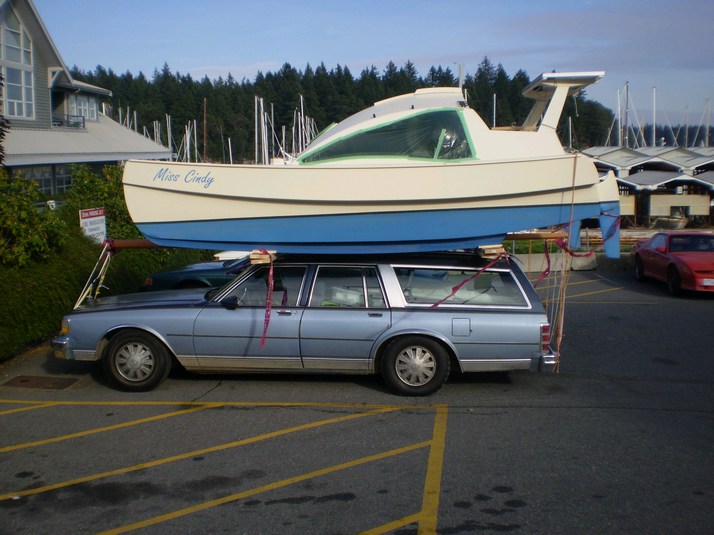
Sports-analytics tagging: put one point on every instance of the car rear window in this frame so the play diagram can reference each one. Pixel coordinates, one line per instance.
(429, 286)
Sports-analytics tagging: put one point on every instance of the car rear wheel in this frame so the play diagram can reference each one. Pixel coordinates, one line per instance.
(639, 269)
(674, 282)
(136, 361)
(415, 366)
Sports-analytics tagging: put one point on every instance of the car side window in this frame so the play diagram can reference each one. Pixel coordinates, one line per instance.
(346, 287)
(459, 287)
(659, 241)
(287, 281)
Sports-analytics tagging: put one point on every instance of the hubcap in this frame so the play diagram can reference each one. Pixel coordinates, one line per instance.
(415, 366)
(135, 362)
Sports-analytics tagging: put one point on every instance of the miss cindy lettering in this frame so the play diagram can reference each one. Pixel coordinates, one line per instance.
(191, 177)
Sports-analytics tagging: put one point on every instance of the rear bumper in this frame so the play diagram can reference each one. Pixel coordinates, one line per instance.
(547, 362)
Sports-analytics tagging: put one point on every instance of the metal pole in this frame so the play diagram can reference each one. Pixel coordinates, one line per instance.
(204, 129)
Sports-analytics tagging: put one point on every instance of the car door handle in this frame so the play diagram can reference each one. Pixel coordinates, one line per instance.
(284, 312)
(375, 314)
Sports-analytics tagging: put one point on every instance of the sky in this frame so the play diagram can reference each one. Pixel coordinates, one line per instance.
(663, 44)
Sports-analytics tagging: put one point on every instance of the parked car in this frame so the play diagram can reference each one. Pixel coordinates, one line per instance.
(684, 260)
(410, 318)
(200, 275)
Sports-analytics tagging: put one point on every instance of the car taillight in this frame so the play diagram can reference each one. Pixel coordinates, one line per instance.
(148, 282)
(545, 338)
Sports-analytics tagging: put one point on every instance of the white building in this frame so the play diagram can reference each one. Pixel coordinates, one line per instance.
(55, 121)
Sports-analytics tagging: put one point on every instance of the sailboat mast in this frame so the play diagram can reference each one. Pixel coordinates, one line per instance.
(654, 116)
(627, 115)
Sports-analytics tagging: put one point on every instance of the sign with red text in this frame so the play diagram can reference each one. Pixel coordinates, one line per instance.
(94, 223)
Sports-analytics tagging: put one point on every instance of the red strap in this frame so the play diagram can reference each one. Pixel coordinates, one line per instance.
(546, 272)
(613, 228)
(268, 299)
(564, 246)
(472, 277)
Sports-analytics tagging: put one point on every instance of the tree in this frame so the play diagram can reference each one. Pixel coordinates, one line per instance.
(329, 95)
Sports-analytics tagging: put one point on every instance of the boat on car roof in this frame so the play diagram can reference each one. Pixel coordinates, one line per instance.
(413, 173)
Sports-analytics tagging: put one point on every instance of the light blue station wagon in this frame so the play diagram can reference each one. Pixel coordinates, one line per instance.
(409, 317)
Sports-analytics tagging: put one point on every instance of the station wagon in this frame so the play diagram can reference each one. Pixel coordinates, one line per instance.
(409, 317)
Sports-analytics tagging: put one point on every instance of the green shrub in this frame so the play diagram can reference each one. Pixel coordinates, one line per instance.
(93, 190)
(26, 233)
(52, 258)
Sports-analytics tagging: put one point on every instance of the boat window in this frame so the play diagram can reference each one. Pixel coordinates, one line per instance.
(433, 135)
(431, 286)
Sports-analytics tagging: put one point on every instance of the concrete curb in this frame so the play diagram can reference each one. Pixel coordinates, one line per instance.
(536, 263)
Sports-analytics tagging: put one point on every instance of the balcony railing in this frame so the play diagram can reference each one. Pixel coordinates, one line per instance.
(69, 121)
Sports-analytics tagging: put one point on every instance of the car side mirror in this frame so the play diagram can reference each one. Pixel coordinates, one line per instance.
(660, 249)
(231, 302)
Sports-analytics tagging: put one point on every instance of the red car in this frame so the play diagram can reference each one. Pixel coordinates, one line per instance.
(684, 260)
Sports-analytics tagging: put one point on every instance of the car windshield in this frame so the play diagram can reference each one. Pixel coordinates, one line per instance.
(678, 244)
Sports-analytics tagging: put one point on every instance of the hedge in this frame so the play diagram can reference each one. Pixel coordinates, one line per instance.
(51, 259)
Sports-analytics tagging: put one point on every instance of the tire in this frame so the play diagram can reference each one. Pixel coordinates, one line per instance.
(136, 361)
(639, 269)
(674, 282)
(415, 366)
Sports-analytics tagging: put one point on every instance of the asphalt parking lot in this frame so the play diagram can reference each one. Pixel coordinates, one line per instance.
(619, 441)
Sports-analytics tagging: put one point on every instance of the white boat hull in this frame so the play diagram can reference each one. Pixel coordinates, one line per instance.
(361, 209)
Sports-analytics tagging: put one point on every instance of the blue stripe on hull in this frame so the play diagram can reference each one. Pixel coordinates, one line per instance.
(429, 230)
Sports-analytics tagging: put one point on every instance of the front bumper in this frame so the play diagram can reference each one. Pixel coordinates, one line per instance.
(62, 349)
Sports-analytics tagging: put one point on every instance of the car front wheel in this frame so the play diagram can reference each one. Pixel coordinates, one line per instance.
(415, 366)
(639, 269)
(674, 282)
(136, 361)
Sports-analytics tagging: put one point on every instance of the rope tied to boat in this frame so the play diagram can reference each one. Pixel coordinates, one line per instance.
(613, 228)
(460, 285)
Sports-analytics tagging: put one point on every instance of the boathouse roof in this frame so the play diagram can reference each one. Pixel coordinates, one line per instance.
(102, 141)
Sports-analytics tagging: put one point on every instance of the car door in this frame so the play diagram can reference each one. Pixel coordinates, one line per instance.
(656, 261)
(228, 334)
(484, 315)
(346, 313)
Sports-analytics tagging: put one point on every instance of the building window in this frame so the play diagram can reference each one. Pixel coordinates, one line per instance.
(63, 178)
(16, 65)
(84, 106)
(41, 175)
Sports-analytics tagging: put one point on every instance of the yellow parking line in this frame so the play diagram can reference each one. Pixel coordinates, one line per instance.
(105, 429)
(614, 303)
(265, 488)
(29, 408)
(549, 287)
(428, 515)
(223, 403)
(432, 482)
(393, 525)
(166, 460)
(595, 292)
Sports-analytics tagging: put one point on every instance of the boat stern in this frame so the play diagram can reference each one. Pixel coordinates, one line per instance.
(608, 218)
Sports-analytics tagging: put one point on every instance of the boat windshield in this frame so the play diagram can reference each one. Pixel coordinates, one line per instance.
(431, 135)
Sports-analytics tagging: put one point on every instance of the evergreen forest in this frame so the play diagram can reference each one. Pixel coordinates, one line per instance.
(328, 95)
